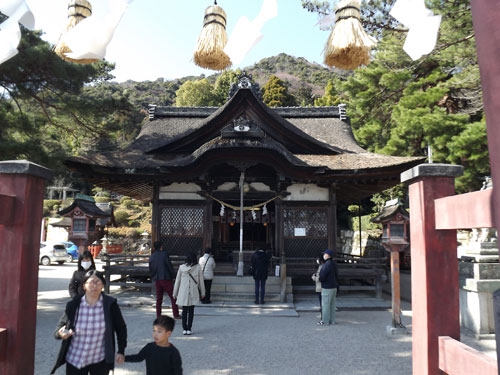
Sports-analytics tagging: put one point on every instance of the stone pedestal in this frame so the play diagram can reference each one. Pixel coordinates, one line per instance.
(478, 281)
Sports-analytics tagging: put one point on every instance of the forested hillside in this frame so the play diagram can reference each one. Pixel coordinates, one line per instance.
(50, 109)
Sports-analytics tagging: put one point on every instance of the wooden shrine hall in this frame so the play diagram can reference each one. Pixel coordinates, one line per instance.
(294, 165)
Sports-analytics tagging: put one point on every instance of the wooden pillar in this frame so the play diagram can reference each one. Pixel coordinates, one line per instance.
(21, 200)
(156, 218)
(208, 227)
(434, 265)
(485, 16)
(332, 218)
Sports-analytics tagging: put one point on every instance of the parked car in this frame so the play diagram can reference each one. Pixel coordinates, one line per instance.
(72, 251)
(52, 252)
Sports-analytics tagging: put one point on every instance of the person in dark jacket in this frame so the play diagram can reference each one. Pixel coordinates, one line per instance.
(162, 274)
(328, 276)
(260, 265)
(85, 264)
(87, 329)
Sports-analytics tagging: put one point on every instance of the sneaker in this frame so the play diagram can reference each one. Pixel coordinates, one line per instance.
(184, 332)
(262, 302)
(322, 323)
(188, 332)
(256, 302)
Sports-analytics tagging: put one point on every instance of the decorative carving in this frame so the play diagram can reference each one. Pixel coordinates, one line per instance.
(242, 127)
(245, 82)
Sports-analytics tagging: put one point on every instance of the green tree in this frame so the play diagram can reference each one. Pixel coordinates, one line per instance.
(399, 106)
(304, 95)
(275, 93)
(198, 93)
(223, 84)
(49, 108)
(330, 97)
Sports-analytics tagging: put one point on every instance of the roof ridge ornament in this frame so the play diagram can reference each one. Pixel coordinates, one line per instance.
(245, 81)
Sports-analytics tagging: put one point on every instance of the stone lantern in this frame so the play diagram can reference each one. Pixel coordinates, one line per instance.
(394, 219)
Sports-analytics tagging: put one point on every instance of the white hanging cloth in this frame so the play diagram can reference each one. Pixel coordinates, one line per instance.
(10, 33)
(247, 34)
(90, 37)
(423, 26)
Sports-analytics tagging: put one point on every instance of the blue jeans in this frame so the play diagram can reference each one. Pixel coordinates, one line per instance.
(260, 284)
(328, 305)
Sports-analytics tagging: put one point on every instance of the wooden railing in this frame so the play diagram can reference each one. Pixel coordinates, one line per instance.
(355, 272)
(456, 358)
(132, 268)
(464, 211)
(436, 214)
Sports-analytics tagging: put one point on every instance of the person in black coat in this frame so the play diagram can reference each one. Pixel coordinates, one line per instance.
(90, 348)
(328, 275)
(85, 264)
(260, 269)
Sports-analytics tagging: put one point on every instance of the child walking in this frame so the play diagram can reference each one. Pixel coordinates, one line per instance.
(162, 358)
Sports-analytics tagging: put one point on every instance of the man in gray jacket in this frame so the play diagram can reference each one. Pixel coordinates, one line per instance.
(162, 274)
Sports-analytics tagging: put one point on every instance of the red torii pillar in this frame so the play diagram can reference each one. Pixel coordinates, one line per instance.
(21, 208)
(434, 265)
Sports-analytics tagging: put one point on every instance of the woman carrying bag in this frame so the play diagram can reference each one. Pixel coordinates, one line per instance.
(189, 289)
(207, 264)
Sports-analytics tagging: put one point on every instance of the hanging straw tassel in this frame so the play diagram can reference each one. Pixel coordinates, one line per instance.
(349, 45)
(209, 52)
(78, 10)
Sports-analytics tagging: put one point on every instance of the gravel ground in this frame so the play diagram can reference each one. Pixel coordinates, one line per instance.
(244, 344)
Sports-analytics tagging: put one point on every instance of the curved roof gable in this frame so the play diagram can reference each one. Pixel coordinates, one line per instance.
(178, 135)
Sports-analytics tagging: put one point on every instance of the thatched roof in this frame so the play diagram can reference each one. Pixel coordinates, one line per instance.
(310, 144)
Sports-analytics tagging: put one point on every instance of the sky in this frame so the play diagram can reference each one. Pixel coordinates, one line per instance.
(156, 38)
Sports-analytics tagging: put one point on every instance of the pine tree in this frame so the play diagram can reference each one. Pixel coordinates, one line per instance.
(275, 93)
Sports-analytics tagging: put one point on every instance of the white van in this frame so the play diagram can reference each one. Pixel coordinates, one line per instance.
(52, 252)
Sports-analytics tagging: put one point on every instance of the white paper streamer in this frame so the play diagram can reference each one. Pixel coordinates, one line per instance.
(10, 33)
(246, 34)
(423, 26)
(90, 37)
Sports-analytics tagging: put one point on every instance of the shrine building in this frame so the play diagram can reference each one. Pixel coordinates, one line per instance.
(293, 167)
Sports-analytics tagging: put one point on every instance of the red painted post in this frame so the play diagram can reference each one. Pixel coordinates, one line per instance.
(434, 265)
(485, 16)
(19, 251)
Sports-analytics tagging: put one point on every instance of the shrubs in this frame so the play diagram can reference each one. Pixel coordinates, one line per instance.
(102, 199)
(121, 217)
(50, 203)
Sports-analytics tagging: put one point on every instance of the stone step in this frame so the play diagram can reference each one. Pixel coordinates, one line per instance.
(247, 297)
(274, 297)
(237, 280)
(246, 288)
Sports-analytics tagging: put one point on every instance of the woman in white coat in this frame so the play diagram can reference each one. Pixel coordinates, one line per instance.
(189, 289)
(207, 264)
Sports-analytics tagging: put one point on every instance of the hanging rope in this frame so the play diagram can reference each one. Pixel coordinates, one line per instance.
(246, 208)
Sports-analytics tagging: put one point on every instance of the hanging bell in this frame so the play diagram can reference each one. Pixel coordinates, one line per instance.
(78, 10)
(209, 52)
(348, 46)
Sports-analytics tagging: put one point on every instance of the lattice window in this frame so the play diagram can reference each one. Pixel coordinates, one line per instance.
(312, 220)
(305, 231)
(182, 221)
(182, 229)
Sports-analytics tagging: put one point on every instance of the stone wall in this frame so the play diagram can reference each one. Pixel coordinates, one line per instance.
(348, 243)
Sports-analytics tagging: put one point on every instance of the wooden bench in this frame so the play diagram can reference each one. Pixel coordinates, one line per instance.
(368, 273)
(132, 268)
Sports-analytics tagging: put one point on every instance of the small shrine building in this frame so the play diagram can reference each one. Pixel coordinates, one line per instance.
(294, 166)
